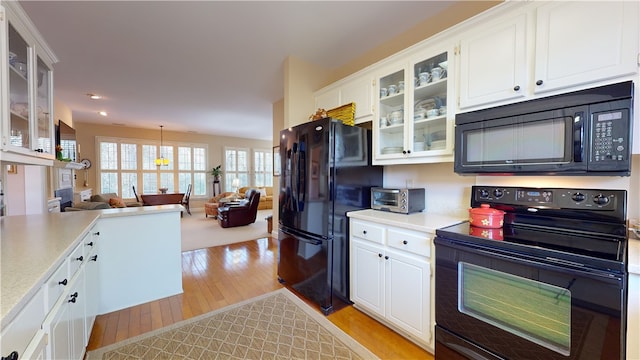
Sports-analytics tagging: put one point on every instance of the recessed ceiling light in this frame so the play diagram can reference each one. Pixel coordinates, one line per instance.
(103, 113)
(94, 96)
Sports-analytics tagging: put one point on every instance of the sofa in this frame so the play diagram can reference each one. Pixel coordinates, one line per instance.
(102, 201)
(113, 200)
(266, 195)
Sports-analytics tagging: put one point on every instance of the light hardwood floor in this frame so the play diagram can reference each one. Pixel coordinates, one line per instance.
(216, 277)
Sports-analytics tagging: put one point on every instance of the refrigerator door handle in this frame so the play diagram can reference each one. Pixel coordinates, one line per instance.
(300, 236)
(302, 177)
(294, 177)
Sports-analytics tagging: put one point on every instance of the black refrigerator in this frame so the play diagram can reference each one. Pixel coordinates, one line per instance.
(325, 172)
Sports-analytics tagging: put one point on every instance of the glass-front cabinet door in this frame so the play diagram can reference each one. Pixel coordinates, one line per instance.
(26, 90)
(19, 92)
(391, 114)
(44, 88)
(413, 123)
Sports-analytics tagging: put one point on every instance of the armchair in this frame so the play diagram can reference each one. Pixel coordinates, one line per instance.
(240, 215)
(211, 207)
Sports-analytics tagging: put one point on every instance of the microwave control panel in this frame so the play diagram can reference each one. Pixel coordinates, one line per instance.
(610, 139)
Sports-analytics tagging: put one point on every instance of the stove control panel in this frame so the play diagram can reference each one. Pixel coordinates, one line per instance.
(550, 198)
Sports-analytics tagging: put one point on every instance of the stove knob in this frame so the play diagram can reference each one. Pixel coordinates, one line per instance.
(483, 193)
(498, 193)
(578, 197)
(600, 199)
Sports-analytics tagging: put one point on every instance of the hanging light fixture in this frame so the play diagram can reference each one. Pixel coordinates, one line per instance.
(161, 161)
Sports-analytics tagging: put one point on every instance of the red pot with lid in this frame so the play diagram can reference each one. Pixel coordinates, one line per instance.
(486, 217)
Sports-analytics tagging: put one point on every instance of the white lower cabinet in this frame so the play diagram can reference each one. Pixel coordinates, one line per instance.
(391, 278)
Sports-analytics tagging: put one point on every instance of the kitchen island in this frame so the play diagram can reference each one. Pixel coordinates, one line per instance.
(59, 270)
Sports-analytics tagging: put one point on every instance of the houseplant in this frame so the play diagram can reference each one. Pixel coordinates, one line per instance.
(216, 172)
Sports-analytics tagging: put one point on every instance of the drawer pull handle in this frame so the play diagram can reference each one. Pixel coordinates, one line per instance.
(63, 282)
(94, 258)
(80, 258)
(90, 244)
(405, 242)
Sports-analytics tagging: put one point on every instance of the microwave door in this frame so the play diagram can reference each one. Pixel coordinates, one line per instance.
(548, 141)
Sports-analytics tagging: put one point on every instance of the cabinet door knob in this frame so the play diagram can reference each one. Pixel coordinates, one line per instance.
(97, 233)
(379, 255)
(516, 88)
(90, 244)
(80, 258)
(364, 232)
(72, 300)
(405, 242)
(386, 258)
(539, 82)
(94, 258)
(63, 282)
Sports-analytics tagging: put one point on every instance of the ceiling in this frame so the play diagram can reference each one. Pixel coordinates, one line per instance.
(210, 67)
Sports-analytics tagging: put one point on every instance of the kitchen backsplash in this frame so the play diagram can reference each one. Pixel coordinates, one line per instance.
(449, 193)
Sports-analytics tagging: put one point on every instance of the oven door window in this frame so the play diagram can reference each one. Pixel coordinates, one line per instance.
(520, 141)
(527, 308)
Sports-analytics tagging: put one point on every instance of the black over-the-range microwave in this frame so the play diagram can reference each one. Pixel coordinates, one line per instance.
(587, 132)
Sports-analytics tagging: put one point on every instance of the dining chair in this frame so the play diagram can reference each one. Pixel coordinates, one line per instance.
(185, 199)
(135, 193)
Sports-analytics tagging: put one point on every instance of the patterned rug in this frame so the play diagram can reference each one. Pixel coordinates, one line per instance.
(277, 325)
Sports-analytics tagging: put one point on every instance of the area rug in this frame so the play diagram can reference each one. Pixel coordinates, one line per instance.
(277, 325)
(199, 232)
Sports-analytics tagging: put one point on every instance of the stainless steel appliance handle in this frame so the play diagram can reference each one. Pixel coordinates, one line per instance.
(302, 176)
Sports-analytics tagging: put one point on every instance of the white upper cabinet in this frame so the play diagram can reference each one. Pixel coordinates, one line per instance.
(357, 89)
(583, 42)
(493, 63)
(26, 86)
(547, 48)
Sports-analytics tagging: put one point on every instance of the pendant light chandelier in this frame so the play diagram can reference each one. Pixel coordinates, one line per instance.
(161, 161)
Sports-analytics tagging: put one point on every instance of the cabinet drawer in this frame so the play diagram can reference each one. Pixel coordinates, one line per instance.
(367, 231)
(18, 334)
(56, 284)
(77, 257)
(415, 242)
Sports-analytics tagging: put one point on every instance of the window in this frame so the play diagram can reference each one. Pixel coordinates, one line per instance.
(125, 163)
(255, 171)
(236, 162)
(262, 168)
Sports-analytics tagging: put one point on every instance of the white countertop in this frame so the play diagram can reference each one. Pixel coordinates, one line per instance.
(422, 221)
(33, 246)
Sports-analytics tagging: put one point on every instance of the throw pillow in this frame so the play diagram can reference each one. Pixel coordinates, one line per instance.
(117, 202)
(263, 192)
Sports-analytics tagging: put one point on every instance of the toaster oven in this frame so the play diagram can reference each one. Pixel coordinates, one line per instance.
(403, 201)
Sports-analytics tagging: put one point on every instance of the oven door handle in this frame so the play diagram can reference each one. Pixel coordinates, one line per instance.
(547, 263)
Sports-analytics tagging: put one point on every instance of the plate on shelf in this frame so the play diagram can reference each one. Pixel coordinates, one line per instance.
(425, 105)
